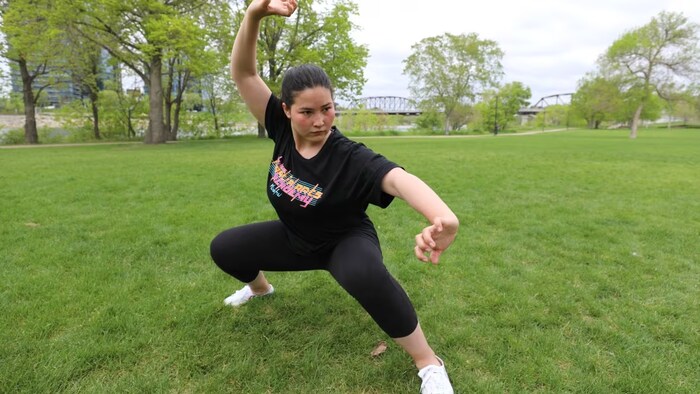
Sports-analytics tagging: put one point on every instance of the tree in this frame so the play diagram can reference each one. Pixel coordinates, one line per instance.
(556, 115)
(651, 110)
(597, 99)
(451, 69)
(499, 108)
(461, 115)
(311, 35)
(682, 105)
(86, 65)
(430, 118)
(182, 68)
(143, 35)
(33, 44)
(652, 57)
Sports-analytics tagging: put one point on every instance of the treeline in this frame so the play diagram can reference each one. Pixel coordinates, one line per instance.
(649, 71)
(172, 48)
(179, 51)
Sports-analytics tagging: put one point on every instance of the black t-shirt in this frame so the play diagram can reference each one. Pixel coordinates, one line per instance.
(321, 199)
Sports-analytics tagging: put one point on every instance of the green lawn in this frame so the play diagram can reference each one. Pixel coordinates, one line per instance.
(576, 270)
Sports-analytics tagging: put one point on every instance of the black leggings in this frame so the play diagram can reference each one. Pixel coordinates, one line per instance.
(355, 263)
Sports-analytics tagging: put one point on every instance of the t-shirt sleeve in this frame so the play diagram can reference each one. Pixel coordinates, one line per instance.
(274, 117)
(372, 169)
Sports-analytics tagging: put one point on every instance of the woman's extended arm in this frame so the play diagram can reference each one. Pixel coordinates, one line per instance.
(437, 237)
(251, 87)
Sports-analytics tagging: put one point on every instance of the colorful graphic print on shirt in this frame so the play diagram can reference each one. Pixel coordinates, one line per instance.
(282, 181)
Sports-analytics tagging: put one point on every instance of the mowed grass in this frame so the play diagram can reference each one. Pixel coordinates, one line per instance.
(576, 270)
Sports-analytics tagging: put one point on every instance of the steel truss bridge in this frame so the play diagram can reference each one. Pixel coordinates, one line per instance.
(546, 101)
(387, 105)
(394, 105)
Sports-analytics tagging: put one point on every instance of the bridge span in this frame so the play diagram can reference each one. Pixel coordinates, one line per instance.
(385, 105)
(546, 101)
(394, 105)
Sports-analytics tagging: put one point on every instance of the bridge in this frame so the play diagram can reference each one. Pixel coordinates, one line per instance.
(546, 101)
(393, 105)
(385, 105)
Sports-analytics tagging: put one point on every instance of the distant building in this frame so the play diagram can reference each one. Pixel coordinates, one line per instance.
(63, 88)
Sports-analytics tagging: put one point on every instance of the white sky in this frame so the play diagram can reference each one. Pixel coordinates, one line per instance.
(549, 45)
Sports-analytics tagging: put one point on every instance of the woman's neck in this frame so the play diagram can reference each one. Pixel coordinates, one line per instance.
(309, 149)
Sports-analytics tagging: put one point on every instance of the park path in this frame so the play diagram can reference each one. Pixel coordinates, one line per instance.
(27, 146)
(467, 136)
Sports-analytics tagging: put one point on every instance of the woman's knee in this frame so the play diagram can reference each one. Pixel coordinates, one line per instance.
(218, 247)
(358, 266)
(224, 248)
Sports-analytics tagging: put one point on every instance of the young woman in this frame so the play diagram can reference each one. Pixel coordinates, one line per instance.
(320, 184)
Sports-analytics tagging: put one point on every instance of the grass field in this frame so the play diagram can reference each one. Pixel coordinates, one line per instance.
(576, 270)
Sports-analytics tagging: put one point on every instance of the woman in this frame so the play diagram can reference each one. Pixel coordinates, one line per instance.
(320, 184)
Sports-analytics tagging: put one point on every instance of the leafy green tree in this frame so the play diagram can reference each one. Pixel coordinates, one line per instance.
(500, 108)
(652, 57)
(34, 45)
(126, 107)
(512, 96)
(431, 118)
(313, 34)
(556, 116)
(86, 67)
(213, 90)
(652, 109)
(683, 105)
(450, 70)
(182, 68)
(214, 109)
(222, 102)
(597, 99)
(11, 104)
(143, 35)
(461, 115)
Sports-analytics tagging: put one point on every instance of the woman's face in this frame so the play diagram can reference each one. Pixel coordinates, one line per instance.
(312, 114)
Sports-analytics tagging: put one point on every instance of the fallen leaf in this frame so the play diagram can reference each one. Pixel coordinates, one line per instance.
(379, 349)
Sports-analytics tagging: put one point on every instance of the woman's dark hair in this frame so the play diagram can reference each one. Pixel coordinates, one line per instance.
(303, 77)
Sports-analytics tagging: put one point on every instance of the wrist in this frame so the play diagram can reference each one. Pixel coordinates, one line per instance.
(255, 12)
(449, 220)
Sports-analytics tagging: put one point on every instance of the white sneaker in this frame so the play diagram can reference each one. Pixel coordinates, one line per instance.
(244, 295)
(435, 380)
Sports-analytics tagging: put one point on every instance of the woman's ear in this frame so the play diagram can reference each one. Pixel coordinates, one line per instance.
(287, 111)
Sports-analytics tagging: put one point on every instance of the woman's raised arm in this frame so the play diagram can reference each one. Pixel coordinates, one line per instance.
(252, 88)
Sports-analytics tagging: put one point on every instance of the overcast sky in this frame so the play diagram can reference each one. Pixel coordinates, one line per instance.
(549, 45)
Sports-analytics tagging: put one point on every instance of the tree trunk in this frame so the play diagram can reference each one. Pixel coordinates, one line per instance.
(635, 121)
(168, 102)
(130, 132)
(183, 81)
(216, 118)
(31, 136)
(156, 127)
(261, 131)
(176, 121)
(95, 115)
(168, 116)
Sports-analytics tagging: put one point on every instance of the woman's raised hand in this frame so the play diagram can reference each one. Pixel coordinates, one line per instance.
(274, 7)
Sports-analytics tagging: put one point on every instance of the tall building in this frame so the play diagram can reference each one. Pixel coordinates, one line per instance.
(61, 86)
